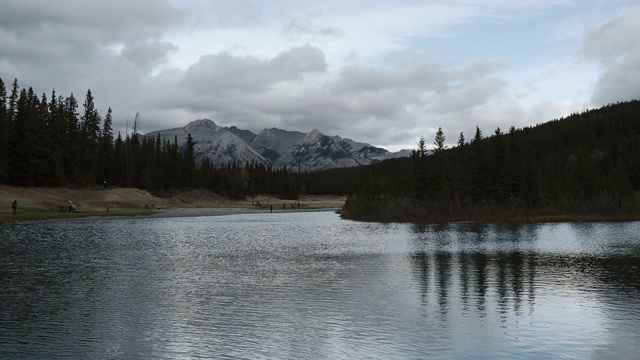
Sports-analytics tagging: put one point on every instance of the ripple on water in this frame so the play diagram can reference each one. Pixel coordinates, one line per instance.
(309, 285)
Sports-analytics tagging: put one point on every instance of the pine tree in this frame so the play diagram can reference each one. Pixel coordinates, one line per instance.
(58, 135)
(13, 102)
(189, 168)
(418, 160)
(439, 142)
(71, 150)
(120, 174)
(513, 183)
(498, 168)
(89, 135)
(44, 160)
(461, 140)
(4, 136)
(22, 142)
(107, 168)
(479, 174)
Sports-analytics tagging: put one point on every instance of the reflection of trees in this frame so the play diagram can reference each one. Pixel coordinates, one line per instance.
(500, 280)
(504, 282)
(443, 273)
(480, 264)
(464, 279)
(421, 265)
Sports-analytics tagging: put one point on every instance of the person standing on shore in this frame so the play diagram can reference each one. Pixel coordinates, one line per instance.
(14, 207)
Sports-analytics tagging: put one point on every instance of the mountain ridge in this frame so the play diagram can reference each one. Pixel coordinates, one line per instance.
(293, 150)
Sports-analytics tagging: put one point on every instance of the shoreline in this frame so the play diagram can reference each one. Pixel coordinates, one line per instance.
(46, 204)
(167, 213)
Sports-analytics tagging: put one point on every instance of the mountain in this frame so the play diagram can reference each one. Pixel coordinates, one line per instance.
(272, 143)
(219, 144)
(281, 148)
(317, 151)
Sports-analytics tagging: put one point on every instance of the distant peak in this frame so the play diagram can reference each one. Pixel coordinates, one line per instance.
(201, 125)
(313, 136)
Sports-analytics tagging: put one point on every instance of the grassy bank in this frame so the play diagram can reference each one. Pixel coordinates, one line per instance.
(45, 203)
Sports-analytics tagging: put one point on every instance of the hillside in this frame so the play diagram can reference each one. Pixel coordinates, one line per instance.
(585, 164)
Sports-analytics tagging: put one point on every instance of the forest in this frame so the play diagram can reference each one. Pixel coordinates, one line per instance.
(584, 166)
(586, 163)
(50, 142)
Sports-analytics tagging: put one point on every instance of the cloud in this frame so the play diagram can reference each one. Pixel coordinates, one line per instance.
(614, 45)
(228, 73)
(384, 73)
(305, 29)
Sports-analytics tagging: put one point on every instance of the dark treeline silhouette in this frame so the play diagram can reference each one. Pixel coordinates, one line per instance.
(587, 164)
(47, 142)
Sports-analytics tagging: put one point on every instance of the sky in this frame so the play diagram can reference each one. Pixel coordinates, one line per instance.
(380, 72)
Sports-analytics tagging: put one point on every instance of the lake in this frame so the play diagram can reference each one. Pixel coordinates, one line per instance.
(308, 285)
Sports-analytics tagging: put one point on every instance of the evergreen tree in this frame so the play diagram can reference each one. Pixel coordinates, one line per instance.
(71, 150)
(22, 142)
(513, 183)
(498, 168)
(189, 168)
(58, 135)
(418, 161)
(44, 156)
(13, 102)
(4, 136)
(107, 168)
(461, 140)
(120, 163)
(479, 175)
(439, 142)
(90, 132)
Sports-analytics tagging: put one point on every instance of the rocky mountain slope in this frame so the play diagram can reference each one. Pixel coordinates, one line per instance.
(281, 148)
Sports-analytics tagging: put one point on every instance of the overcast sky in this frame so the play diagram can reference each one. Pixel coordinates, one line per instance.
(382, 72)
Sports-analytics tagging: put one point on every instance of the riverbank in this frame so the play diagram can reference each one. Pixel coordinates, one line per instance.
(97, 203)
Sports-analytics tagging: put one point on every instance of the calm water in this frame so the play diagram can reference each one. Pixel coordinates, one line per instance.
(312, 286)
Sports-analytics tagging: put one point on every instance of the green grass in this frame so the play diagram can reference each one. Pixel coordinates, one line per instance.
(26, 214)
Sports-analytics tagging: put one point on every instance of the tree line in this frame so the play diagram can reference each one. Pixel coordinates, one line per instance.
(586, 163)
(51, 142)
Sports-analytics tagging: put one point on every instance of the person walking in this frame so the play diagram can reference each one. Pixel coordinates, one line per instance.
(14, 207)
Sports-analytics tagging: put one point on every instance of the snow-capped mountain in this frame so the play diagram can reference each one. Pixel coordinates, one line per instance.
(281, 148)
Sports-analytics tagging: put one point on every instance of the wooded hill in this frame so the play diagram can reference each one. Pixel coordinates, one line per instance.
(585, 164)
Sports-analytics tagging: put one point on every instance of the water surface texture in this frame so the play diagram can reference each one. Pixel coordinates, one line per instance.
(312, 286)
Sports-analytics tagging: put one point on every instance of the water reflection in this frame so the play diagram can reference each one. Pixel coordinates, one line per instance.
(312, 286)
(508, 273)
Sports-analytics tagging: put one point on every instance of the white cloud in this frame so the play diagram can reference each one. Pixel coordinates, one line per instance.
(380, 72)
(614, 46)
